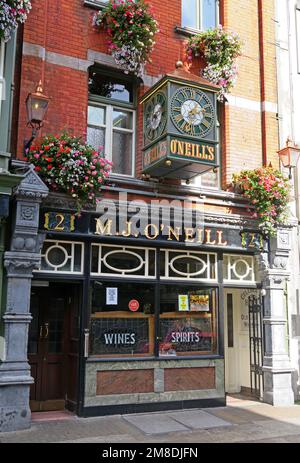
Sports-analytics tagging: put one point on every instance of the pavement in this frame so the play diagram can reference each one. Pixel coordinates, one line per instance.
(242, 420)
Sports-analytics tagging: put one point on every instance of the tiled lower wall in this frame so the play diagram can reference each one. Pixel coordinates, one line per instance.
(116, 383)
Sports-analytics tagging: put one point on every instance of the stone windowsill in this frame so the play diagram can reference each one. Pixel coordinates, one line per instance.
(186, 31)
(97, 4)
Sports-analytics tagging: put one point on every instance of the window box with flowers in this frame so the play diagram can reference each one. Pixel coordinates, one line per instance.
(268, 192)
(131, 28)
(12, 12)
(67, 164)
(219, 49)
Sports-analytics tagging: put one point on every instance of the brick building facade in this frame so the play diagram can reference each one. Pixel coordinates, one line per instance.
(62, 48)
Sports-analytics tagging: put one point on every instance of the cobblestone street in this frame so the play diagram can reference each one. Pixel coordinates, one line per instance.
(241, 421)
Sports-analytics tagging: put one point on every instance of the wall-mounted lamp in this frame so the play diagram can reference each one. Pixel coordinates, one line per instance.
(289, 156)
(36, 105)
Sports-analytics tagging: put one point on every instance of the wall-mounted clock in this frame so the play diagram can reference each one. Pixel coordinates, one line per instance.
(155, 117)
(192, 112)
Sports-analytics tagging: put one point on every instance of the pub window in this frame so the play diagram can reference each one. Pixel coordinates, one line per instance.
(199, 14)
(191, 265)
(125, 315)
(188, 320)
(123, 261)
(239, 269)
(62, 257)
(112, 119)
(122, 319)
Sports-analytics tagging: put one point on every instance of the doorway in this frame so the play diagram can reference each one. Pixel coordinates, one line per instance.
(236, 338)
(53, 347)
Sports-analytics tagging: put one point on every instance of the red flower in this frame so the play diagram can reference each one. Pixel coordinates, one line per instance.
(49, 166)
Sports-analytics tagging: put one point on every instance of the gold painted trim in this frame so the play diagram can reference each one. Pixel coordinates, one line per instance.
(46, 224)
(72, 223)
(143, 100)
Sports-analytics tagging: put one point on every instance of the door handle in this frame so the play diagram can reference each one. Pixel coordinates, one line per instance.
(46, 326)
(86, 343)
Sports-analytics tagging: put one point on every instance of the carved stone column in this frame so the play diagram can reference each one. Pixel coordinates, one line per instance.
(22, 258)
(276, 364)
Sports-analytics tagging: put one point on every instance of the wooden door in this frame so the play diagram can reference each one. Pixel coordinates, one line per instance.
(51, 351)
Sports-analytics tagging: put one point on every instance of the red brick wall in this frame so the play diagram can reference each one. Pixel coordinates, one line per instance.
(64, 27)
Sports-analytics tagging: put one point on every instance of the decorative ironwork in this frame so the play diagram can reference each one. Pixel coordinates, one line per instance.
(256, 345)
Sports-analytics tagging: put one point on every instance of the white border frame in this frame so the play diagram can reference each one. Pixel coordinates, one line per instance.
(59, 243)
(231, 268)
(205, 258)
(125, 273)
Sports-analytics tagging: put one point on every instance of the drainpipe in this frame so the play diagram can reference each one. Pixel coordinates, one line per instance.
(262, 81)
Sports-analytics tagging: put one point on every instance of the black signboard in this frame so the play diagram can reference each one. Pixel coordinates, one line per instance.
(153, 231)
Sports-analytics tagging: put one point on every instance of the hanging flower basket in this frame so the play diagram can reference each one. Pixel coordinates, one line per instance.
(12, 12)
(131, 28)
(67, 164)
(219, 49)
(268, 192)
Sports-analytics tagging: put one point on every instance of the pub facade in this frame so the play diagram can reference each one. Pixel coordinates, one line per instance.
(164, 294)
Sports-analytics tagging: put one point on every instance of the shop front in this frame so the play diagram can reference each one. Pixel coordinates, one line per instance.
(126, 322)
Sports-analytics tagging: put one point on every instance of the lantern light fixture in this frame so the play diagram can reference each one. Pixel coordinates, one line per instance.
(37, 106)
(289, 156)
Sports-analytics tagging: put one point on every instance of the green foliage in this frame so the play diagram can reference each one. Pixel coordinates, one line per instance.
(68, 164)
(220, 50)
(268, 191)
(131, 27)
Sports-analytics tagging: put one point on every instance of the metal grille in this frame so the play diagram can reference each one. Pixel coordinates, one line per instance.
(256, 346)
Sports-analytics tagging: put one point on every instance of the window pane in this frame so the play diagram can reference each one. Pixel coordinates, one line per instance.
(96, 137)
(96, 115)
(109, 87)
(122, 320)
(208, 14)
(188, 324)
(189, 13)
(122, 119)
(122, 153)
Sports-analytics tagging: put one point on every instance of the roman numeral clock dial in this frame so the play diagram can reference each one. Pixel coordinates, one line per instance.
(155, 117)
(192, 112)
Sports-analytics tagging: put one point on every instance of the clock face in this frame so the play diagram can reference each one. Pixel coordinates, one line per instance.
(155, 116)
(192, 112)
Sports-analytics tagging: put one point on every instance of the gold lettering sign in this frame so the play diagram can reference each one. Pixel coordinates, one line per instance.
(192, 150)
(155, 153)
(206, 236)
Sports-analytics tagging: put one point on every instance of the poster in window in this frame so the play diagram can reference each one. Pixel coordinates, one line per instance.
(183, 303)
(199, 303)
(111, 296)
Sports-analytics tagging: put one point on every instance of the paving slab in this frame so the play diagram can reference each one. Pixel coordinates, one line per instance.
(155, 423)
(198, 419)
(236, 416)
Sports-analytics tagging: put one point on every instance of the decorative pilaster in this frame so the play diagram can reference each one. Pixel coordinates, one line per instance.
(20, 261)
(276, 364)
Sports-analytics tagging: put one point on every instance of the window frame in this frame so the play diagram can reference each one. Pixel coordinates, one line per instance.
(96, 100)
(109, 130)
(158, 281)
(199, 17)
